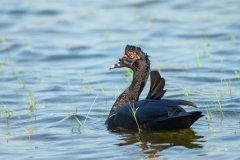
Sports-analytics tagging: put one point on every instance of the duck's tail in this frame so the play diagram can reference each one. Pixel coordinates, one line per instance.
(186, 103)
(181, 121)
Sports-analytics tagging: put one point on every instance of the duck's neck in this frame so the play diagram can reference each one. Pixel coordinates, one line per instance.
(132, 93)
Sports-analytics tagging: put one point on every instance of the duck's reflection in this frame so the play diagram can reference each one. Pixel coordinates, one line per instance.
(152, 142)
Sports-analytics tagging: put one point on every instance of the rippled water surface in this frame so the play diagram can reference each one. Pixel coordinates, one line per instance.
(58, 54)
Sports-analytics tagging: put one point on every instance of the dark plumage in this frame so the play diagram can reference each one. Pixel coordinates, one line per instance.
(153, 112)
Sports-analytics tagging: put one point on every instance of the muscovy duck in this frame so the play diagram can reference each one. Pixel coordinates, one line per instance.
(153, 113)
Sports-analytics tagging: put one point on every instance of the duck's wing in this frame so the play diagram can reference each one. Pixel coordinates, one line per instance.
(150, 114)
(148, 110)
(164, 114)
(156, 88)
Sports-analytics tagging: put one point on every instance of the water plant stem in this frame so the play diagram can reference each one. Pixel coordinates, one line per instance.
(31, 99)
(133, 112)
(90, 109)
(20, 79)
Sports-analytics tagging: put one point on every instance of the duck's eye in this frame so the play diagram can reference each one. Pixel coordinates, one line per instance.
(131, 56)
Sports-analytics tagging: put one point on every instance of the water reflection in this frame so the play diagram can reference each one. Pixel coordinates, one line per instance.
(152, 142)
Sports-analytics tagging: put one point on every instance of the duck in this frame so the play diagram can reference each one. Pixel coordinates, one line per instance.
(154, 112)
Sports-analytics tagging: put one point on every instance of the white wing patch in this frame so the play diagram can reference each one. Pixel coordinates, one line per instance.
(112, 115)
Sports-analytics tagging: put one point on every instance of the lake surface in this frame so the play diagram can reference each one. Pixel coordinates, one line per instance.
(57, 89)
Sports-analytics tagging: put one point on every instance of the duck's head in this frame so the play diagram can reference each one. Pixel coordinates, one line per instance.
(132, 57)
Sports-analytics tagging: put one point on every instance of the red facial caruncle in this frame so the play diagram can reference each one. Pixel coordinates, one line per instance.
(132, 55)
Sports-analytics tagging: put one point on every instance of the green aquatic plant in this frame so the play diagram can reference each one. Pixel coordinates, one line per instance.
(106, 102)
(206, 47)
(237, 74)
(86, 85)
(69, 82)
(31, 49)
(214, 131)
(75, 106)
(233, 38)
(229, 88)
(133, 112)
(2, 66)
(186, 92)
(78, 121)
(31, 99)
(73, 101)
(209, 114)
(90, 109)
(103, 91)
(90, 88)
(208, 44)
(118, 92)
(5, 44)
(220, 92)
(128, 74)
(19, 77)
(7, 111)
(30, 128)
(83, 84)
(219, 107)
(71, 122)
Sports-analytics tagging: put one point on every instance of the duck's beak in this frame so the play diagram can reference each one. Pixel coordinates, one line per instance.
(122, 63)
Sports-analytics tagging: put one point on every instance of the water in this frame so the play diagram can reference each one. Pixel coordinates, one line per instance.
(63, 50)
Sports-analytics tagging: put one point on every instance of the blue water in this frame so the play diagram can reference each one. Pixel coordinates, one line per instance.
(62, 50)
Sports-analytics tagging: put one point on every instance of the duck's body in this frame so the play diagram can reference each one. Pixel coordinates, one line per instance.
(153, 112)
(162, 114)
